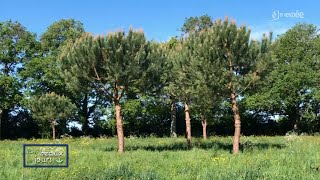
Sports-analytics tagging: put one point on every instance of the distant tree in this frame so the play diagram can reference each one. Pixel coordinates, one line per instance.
(291, 86)
(207, 75)
(59, 34)
(52, 108)
(17, 46)
(42, 74)
(115, 63)
(203, 65)
(161, 77)
(193, 24)
(46, 74)
(146, 115)
(181, 86)
(10, 96)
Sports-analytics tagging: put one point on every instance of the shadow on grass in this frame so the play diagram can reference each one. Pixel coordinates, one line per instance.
(207, 145)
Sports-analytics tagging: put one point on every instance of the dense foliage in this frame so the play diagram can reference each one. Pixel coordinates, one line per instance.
(122, 84)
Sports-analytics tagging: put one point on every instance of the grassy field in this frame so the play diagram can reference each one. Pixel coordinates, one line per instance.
(289, 157)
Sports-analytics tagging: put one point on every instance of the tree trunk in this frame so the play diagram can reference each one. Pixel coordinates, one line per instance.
(237, 123)
(204, 126)
(84, 112)
(119, 120)
(173, 127)
(295, 126)
(3, 123)
(0, 124)
(294, 117)
(53, 131)
(6, 69)
(188, 124)
(119, 128)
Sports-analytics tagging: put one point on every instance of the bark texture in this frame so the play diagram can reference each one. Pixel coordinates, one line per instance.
(237, 123)
(119, 120)
(53, 126)
(188, 124)
(173, 127)
(204, 126)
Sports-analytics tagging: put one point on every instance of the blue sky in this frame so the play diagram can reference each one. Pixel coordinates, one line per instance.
(159, 19)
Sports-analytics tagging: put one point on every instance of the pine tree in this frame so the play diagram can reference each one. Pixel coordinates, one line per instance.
(52, 108)
(207, 75)
(165, 78)
(181, 86)
(242, 60)
(116, 63)
(204, 68)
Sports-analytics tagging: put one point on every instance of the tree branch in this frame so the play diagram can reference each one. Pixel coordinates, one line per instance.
(122, 93)
(104, 89)
(107, 92)
(97, 75)
(244, 88)
(254, 75)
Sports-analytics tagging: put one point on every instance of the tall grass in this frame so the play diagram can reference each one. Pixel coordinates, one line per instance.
(290, 157)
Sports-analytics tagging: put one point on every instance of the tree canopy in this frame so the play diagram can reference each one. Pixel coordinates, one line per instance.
(214, 77)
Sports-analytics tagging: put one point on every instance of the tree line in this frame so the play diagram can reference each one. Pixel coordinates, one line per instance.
(213, 77)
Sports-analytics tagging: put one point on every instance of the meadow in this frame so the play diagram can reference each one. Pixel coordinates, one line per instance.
(280, 157)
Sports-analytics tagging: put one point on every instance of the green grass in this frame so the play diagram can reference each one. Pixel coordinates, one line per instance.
(290, 157)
